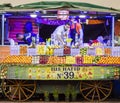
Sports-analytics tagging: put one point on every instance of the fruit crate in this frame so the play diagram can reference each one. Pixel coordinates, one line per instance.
(116, 51)
(23, 49)
(83, 51)
(70, 60)
(35, 59)
(40, 49)
(14, 50)
(4, 52)
(31, 51)
(67, 50)
(58, 52)
(43, 59)
(79, 59)
(91, 51)
(75, 51)
(99, 50)
(108, 51)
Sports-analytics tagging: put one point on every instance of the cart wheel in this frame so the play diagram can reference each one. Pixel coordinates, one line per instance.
(95, 90)
(18, 90)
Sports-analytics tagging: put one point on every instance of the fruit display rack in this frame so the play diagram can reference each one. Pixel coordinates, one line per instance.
(23, 69)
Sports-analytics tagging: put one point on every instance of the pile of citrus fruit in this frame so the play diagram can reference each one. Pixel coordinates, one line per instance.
(17, 60)
(109, 60)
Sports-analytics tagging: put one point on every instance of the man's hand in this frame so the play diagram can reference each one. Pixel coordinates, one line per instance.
(16, 43)
(65, 35)
(64, 44)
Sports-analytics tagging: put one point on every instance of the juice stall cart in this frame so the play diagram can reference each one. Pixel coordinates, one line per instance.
(89, 75)
(66, 70)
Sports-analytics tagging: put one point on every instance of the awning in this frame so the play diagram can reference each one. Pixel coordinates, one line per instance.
(46, 5)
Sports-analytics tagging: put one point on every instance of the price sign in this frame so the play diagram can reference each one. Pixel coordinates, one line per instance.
(63, 14)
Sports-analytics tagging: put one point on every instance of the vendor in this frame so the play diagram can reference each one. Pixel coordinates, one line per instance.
(60, 34)
(76, 32)
(28, 38)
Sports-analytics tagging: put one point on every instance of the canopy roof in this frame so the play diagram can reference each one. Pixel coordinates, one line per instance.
(67, 5)
(47, 5)
(107, 3)
(52, 6)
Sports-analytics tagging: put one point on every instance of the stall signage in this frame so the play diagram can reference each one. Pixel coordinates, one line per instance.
(63, 14)
(65, 72)
(61, 73)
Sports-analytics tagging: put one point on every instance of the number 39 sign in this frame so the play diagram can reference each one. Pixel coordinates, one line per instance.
(72, 73)
(61, 73)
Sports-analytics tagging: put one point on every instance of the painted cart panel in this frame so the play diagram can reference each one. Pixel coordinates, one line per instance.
(60, 72)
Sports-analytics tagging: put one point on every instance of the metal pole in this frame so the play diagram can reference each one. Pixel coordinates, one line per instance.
(113, 23)
(3, 17)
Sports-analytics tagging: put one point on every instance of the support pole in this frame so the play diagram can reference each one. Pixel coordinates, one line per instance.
(3, 18)
(113, 23)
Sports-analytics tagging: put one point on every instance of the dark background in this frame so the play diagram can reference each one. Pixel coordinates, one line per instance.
(91, 32)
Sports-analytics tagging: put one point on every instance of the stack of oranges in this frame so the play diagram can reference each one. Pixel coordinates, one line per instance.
(17, 60)
(56, 60)
(109, 60)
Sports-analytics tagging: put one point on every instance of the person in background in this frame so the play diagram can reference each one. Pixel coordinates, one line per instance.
(76, 32)
(60, 34)
(79, 30)
(28, 38)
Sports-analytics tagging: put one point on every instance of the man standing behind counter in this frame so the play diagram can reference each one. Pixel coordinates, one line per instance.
(29, 37)
(58, 37)
(76, 31)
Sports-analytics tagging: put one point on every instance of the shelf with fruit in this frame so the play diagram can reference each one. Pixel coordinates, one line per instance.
(62, 60)
(57, 55)
(17, 60)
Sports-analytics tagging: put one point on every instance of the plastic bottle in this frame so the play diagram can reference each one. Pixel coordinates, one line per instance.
(52, 39)
(37, 39)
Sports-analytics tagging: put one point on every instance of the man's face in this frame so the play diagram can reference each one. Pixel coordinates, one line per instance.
(20, 37)
(67, 27)
(72, 20)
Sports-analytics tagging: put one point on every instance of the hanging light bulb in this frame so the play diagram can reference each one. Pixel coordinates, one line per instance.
(33, 15)
(107, 22)
(82, 16)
